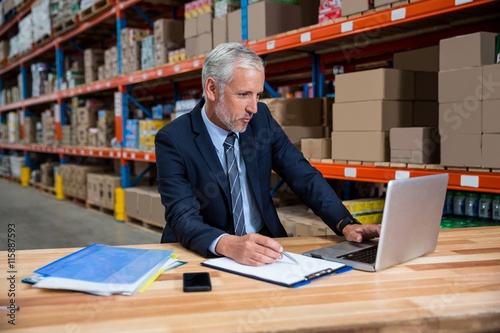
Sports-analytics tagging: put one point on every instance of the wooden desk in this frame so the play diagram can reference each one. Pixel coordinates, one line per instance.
(456, 288)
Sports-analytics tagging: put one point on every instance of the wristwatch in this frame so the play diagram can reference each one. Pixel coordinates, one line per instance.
(345, 221)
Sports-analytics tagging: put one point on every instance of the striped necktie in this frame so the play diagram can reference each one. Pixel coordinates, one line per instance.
(234, 185)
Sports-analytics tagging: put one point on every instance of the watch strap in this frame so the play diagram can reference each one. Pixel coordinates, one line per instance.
(345, 221)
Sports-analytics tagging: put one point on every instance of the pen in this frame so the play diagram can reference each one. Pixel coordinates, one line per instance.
(7, 308)
(290, 257)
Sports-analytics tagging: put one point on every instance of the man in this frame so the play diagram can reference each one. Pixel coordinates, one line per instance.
(195, 183)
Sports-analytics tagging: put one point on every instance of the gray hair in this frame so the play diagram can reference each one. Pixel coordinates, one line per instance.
(224, 58)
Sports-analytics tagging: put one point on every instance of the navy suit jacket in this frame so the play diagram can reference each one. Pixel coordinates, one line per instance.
(194, 187)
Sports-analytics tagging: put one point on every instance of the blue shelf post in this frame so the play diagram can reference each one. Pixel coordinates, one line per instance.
(318, 78)
(121, 23)
(244, 19)
(59, 66)
(124, 164)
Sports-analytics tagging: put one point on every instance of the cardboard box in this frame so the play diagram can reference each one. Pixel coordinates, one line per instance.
(110, 184)
(144, 203)
(376, 84)
(168, 31)
(464, 51)
(426, 86)
(491, 150)
(297, 133)
(204, 24)
(460, 118)
(415, 145)
(355, 6)
(371, 116)
(157, 216)
(378, 3)
(425, 59)
(272, 18)
(491, 82)
(360, 146)
(295, 111)
(191, 47)
(461, 150)
(425, 114)
(310, 12)
(329, 10)
(234, 32)
(491, 116)
(220, 30)
(204, 43)
(131, 201)
(461, 85)
(190, 28)
(316, 148)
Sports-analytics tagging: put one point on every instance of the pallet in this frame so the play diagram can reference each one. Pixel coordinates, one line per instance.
(143, 224)
(393, 5)
(45, 189)
(23, 5)
(65, 25)
(106, 211)
(77, 201)
(97, 7)
(42, 41)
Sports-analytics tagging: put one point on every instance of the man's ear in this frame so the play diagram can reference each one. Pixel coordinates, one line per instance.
(211, 89)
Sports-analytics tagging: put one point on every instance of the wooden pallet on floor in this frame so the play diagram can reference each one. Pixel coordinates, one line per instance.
(97, 7)
(45, 189)
(77, 201)
(98, 208)
(144, 224)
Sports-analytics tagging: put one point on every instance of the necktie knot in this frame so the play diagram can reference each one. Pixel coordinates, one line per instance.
(231, 137)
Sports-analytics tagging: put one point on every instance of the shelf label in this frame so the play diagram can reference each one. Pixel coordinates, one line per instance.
(350, 172)
(159, 72)
(74, 151)
(108, 84)
(118, 104)
(144, 76)
(196, 63)
(111, 154)
(469, 181)
(398, 14)
(400, 174)
(346, 26)
(125, 154)
(461, 2)
(177, 68)
(119, 154)
(305, 37)
(133, 155)
(131, 79)
(100, 153)
(97, 87)
(146, 157)
(271, 45)
(88, 89)
(91, 152)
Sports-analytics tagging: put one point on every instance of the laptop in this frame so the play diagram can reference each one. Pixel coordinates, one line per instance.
(410, 226)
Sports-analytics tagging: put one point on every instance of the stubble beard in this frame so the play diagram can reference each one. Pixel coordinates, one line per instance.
(224, 115)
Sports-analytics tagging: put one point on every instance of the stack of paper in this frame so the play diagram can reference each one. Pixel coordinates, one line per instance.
(105, 270)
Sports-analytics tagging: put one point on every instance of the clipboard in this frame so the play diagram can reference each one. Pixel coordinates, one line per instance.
(282, 272)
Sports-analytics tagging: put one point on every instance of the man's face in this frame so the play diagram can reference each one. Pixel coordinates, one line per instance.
(236, 105)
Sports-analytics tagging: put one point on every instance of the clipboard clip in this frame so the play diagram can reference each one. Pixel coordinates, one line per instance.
(318, 274)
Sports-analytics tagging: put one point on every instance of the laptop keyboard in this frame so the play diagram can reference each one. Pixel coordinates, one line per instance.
(367, 255)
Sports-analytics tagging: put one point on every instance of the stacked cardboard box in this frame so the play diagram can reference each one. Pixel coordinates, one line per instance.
(101, 189)
(110, 62)
(491, 116)
(367, 105)
(30, 129)
(299, 117)
(48, 128)
(463, 89)
(168, 36)
(105, 127)
(144, 203)
(66, 135)
(131, 48)
(222, 8)
(4, 50)
(356, 6)
(148, 52)
(13, 127)
(419, 144)
(92, 59)
(198, 29)
(74, 179)
(86, 117)
(47, 173)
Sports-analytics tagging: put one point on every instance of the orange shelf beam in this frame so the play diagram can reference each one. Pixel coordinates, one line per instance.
(459, 180)
(139, 155)
(369, 22)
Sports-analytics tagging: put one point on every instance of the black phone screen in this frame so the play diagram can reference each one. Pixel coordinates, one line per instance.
(197, 282)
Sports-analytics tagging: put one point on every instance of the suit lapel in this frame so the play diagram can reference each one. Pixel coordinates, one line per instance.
(247, 146)
(207, 150)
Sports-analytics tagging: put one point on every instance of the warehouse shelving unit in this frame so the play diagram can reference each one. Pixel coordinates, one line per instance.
(303, 55)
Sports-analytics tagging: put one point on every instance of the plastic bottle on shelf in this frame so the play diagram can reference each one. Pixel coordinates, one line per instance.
(495, 209)
(459, 204)
(484, 211)
(471, 205)
(448, 203)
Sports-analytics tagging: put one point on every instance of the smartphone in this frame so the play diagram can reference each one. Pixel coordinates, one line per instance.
(197, 282)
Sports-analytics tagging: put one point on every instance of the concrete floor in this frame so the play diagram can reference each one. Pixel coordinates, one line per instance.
(42, 221)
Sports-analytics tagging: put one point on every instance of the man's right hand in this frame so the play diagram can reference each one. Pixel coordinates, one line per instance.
(251, 249)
